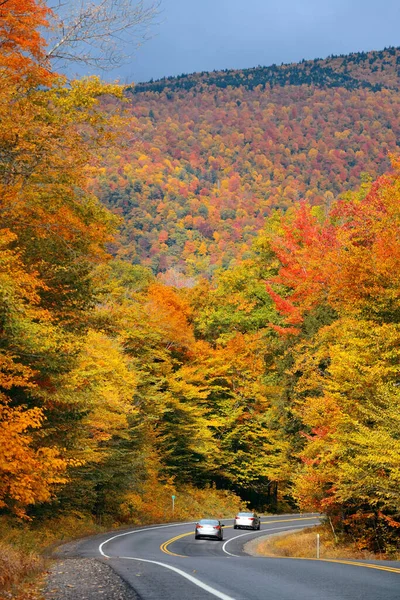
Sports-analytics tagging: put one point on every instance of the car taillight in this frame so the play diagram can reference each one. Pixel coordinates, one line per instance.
(236, 517)
(199, 526)
(251, 518)
(217, 527)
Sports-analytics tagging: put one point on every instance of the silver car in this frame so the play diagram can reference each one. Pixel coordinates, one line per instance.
(247, 520)
(208, 528)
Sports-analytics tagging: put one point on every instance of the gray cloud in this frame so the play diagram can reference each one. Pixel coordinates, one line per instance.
(203, 35)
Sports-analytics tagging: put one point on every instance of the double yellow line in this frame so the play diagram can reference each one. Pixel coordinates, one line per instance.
(164, 548)
(164, 545)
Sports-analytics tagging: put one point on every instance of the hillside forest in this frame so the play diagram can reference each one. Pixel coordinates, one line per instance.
(199, 291)
(206, 158)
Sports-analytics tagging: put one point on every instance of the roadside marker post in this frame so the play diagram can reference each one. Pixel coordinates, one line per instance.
(173, 503)
(318, 545)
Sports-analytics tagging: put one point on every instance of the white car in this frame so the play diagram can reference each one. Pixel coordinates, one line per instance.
(247, 520)
(208, 528)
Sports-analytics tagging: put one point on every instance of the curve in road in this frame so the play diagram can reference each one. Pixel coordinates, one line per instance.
(161, 566)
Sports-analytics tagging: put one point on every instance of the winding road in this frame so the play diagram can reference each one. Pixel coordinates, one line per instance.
(165, 562)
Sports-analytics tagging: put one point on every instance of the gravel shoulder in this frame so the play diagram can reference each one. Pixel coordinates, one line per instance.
(85, 579)
(71, 577)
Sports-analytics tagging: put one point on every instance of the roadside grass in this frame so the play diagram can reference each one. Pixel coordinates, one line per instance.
(303, 544)
(22, 560)
(17, 565)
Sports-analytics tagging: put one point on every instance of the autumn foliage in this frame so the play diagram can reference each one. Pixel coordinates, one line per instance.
(205, 158)
(52, 232)
(236, 340)
(22, 55)
(345, 265)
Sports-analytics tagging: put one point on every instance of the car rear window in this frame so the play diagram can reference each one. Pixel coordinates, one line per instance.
(208, 522)
(246, 515)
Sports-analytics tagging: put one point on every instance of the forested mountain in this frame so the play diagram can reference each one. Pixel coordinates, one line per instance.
(273, 382)
(208, 156)
(373, 70)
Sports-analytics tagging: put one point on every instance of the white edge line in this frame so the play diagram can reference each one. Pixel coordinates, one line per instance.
(252, 532)
(197, 582)
(192, 579)
(132, 531)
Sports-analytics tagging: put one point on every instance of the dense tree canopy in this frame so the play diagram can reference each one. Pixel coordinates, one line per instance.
(345, 371)
(264, 364)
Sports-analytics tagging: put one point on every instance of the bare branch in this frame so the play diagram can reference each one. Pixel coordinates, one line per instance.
(102, 34)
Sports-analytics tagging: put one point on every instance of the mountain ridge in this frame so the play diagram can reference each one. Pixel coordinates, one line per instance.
(316, 71)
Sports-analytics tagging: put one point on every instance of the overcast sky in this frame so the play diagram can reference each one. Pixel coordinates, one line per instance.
(203, 35)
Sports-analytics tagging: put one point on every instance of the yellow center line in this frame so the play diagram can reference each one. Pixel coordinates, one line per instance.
(360, 564)
(332, 560)
(339, 561)
(164, 545)
(164, 548)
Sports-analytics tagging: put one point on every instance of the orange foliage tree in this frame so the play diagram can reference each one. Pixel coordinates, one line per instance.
(53, 231)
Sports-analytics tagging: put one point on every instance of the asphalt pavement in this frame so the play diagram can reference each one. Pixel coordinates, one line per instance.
(165, 562)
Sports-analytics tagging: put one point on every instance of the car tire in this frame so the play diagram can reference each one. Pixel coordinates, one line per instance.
(235, 527)
(196, 537)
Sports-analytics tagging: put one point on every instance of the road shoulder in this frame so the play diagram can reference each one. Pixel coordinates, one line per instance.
(86, 579)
